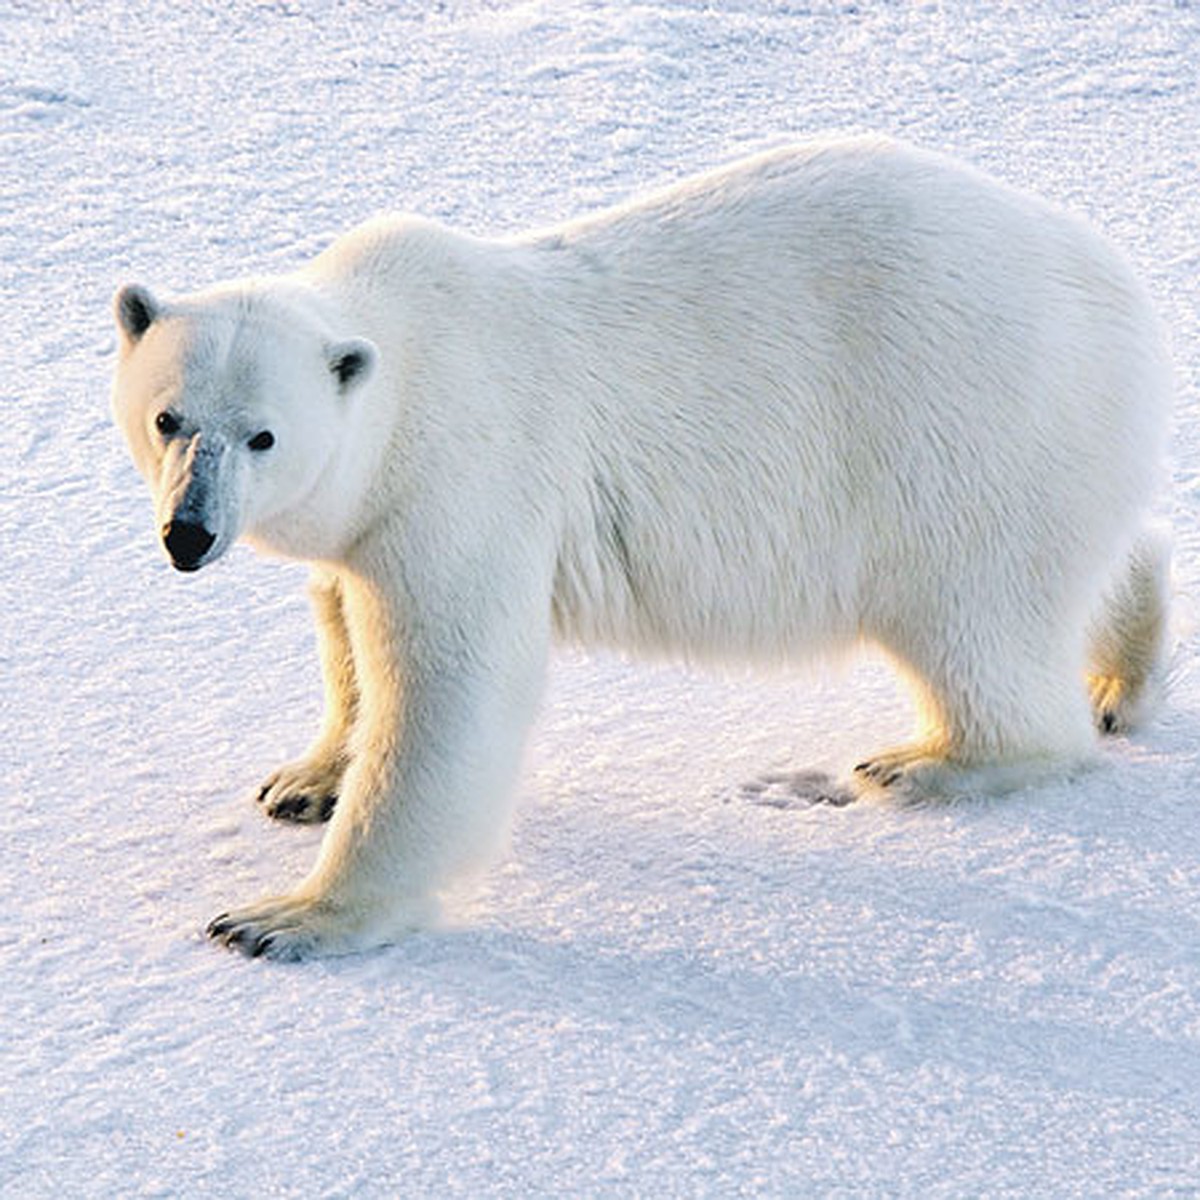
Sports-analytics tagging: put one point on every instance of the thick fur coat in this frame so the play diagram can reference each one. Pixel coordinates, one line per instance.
(842, 392)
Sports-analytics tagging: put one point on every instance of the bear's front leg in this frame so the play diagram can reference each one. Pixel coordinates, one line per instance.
(447, 694)
(305, 791)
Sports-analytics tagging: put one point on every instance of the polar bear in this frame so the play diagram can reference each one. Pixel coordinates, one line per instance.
(839, 392)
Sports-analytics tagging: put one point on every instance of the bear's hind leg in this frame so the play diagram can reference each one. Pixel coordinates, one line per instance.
(1128, 637)
(305, 791)
(992, 723)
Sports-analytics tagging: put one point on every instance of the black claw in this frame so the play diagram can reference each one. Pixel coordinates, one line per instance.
(328, 803)
(223, 930)
(290, 807)
(879, 774)
(1108, 722)
(262, 792)
(218, 926)
(261, 945)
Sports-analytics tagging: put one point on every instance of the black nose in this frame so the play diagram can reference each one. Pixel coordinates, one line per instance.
(186, 543)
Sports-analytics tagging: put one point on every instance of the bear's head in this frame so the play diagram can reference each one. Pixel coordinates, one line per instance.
(233, 403)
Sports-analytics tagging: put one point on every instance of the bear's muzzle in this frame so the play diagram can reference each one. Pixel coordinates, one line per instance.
(187, 543)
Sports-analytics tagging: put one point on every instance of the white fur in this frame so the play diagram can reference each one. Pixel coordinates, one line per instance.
(845, 391)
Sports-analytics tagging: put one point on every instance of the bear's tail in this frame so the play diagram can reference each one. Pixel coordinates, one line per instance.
(1128, 638)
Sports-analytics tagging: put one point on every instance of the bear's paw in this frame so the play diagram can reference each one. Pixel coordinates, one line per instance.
(303, 792)
(295, 927)
(908, 775)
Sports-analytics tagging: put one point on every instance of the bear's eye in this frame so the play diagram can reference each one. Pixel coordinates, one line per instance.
(166, 423)
(262, 441)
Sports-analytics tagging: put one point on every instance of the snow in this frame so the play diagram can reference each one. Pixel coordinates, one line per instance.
(674, 984)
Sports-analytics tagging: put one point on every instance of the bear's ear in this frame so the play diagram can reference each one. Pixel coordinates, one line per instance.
(136, 310)
(351, 362)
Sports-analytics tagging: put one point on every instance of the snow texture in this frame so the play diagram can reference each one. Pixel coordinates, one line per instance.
(687, 977)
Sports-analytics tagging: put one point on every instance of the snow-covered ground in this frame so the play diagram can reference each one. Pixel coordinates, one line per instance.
(672, 985)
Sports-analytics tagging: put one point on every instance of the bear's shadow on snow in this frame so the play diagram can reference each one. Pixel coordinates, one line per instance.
(658, 992)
